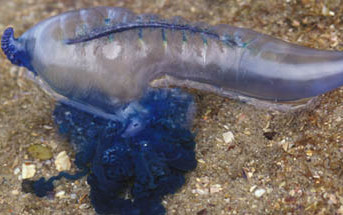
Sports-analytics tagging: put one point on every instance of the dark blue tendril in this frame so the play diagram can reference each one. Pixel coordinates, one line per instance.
(144, 156)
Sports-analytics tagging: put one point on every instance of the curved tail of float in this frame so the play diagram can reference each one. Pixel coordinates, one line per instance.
(15, 49)
(287, 72)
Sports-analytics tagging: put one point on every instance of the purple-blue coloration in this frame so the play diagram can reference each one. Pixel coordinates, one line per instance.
(106, 66)
(13, 50)
(148, 164)
(118, 55)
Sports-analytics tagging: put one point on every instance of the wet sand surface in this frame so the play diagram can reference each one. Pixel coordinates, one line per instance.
(268, 163)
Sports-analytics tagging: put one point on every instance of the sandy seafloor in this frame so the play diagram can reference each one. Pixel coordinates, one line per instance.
(299, 166)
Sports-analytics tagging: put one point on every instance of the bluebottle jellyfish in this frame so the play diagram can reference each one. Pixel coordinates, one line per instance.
(115, 76)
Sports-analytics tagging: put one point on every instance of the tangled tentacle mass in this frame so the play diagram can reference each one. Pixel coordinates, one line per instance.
(131, 168)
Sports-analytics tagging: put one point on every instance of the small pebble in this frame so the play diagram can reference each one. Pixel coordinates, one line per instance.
(215, 188)
(292, 192)
(73, 196)
(40, 151)
(252, 188)
(286, 145)
(16, 171)
(201, 161)
(332, 199)
(48, 162)
(13, 71)
(15, 192)
(282, 184)
(228, 137)
(201, 191)
(327, 12)
(309, 153)
(246, 132)
(47, 127)
(62, 161)
(28, 171)
(84, 206)
(259, 192)
(60, 194)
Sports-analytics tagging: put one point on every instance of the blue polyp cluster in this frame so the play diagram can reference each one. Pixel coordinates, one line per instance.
(129, 174)
(8, 47)
(15, 50)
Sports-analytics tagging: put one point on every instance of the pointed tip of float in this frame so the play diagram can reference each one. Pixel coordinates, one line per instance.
(14, 49)
(9, 46)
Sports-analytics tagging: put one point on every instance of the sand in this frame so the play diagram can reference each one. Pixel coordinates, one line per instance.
(272, 162)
